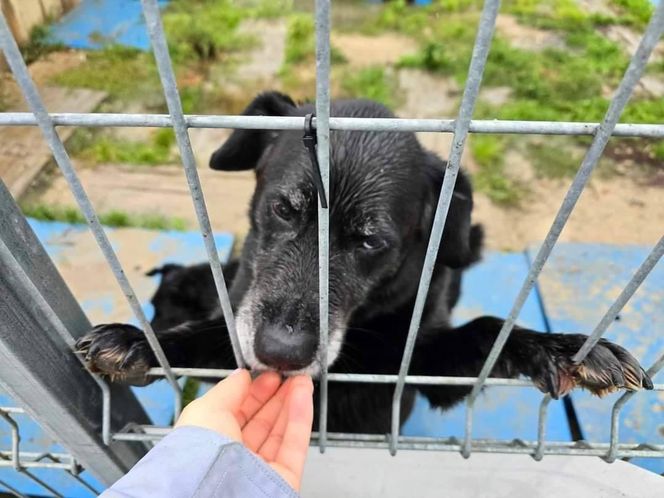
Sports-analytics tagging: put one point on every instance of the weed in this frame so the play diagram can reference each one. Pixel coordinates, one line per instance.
(553, 160)
(108, 149)
(490, 178)
(40, 44)
(113, 218)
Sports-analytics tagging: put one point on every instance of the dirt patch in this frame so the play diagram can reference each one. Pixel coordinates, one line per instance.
(381, 50)
(160, 190)
(613, 211)
(526, 37)
(629, 40)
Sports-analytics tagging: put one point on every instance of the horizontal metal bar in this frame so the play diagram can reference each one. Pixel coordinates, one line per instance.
(497, 126)
(578, 448)
(213, 373)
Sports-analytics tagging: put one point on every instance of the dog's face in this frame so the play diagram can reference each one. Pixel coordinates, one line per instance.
(383, 189)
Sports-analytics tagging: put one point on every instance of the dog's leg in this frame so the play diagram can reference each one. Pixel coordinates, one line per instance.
(122, 352)
(545, 358)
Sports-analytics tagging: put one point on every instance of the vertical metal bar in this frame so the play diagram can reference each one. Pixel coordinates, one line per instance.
(323, 138)
(163, 59)
(29, 90)
(631, 77)
(541, 427)
(626, 294)
(36, 367)
(462, 124)
(615, 412)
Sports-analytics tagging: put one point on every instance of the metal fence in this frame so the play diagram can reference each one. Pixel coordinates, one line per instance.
(103, 437)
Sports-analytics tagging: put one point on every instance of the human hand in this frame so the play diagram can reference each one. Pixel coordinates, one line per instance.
(271, 419)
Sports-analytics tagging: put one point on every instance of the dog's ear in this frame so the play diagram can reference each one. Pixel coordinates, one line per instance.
(244, 148)
(163, 270)
(461, 244)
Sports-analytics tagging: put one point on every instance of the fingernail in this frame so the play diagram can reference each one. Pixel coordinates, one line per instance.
(236, 371)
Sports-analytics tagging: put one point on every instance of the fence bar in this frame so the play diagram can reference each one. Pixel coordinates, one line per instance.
(494, 126)
(626, 294)
(517, 446)
(431, 380)
(61, 157)
(69, 471)
(632, 75)
(462, 124)
(37, 368)
(323, 139)
(541, 427)
(167, 77)
(615, 412)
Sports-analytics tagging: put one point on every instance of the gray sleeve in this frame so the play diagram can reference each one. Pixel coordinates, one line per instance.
(197, 462)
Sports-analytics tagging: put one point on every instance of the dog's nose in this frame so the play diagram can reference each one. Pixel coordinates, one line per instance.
(284, 347)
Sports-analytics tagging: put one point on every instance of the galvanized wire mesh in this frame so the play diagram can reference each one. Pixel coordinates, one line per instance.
(460, 127)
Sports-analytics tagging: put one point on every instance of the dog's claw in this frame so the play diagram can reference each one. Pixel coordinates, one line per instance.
(118, 351)
(607, 368)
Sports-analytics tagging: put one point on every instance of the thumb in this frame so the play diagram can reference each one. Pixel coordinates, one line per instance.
(230, 392)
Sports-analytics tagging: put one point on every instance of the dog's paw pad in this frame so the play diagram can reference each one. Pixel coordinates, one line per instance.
(118, 351)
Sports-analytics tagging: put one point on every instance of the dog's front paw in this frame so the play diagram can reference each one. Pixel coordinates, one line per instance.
(118, 351)
(607, 368)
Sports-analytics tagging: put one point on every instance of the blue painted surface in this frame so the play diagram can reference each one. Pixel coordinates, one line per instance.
(157, 398)
(579, 283)
(96, 23)
(33, 439)
(490, 288)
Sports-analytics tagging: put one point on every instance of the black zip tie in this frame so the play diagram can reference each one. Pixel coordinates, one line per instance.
(310, 142)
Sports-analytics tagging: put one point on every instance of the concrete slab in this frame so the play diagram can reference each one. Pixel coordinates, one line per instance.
(373, 473)
(578, 284)
(24, 150)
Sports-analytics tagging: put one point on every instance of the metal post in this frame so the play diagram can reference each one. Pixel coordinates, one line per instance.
(37, 366)
(632, 75)
(470, 93)
(160, 49)
(323, 138)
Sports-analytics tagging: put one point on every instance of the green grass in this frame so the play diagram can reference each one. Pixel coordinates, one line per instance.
(553, 160)
(113, 218)
(373, 83)
(107, 149)
(490, 178)
(125, 73)
(301, 44)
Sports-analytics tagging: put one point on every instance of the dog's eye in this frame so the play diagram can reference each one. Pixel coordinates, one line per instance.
(373, 243)
(283, 210)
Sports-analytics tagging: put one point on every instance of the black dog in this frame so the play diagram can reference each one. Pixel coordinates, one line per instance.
(383, 193)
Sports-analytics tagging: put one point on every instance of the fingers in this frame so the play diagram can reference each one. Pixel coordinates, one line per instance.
(274, 441)
(259, 427)
(216, 409)
(292, 452)
(230, 392)
(260, 392)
